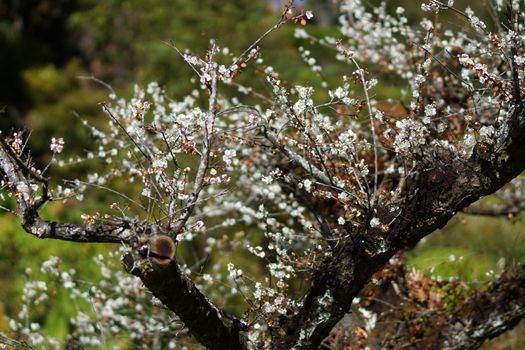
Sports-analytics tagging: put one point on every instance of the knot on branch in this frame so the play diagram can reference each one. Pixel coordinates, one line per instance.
(162, 249)
(157, 251)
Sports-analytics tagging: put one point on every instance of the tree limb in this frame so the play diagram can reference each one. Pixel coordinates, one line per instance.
(297, 159)
(509, 212)
(167, 282)
(33, 224)
(489, 313)
(411, 310)
(205, 155)
(432, 199)
(211, 326)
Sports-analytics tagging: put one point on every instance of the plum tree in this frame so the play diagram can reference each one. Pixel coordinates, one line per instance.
(321, 186)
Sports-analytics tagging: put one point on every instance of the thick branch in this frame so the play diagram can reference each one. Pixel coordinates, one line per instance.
(442, 314)
(488, 314)
(207, 323)
(432, 198)
(499, 211)
(510, 208)
(88, 233)
(31, 221)
(298, 160)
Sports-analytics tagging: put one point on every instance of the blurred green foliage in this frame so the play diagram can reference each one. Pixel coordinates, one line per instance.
(127, 41)
(21, 252)
(482, 242)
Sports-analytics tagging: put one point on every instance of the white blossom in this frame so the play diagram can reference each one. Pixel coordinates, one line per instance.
(57, 145)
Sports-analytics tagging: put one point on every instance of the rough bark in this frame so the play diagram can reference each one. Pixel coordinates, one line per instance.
(416, 312)
(434, 194)
(431, 198)
(488, 314)
(441, 185)
(211, 326)
(28, 205)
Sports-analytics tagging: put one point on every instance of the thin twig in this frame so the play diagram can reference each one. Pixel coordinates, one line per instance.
(205, 155)
(374, 136)
(279, 24)
(98, 81)
(182, 56)
(106, 109)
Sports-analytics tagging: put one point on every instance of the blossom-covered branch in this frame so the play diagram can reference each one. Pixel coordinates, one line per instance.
(211, 71)
(319, 184)
(29, 202)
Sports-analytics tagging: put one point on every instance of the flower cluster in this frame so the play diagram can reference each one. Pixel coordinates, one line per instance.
(118, 304)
